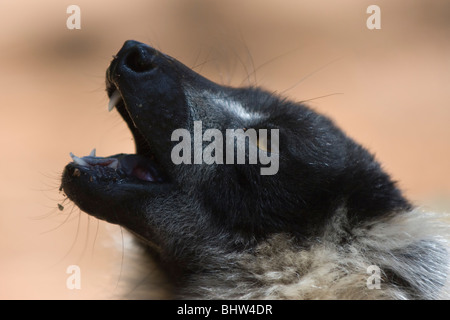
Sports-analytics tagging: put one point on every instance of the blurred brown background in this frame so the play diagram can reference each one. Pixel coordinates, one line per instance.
(388, 88)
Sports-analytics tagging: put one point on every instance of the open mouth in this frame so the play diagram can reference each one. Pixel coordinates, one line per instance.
(141, 167)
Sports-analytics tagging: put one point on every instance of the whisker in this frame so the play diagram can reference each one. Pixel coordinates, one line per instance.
(310, 74)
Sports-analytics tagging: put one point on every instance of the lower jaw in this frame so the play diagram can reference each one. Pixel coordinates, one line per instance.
(123, 165)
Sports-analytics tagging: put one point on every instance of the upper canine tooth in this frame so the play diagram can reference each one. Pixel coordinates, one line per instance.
(114, 99)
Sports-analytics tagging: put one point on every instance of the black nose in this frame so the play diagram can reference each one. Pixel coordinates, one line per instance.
(137, 56)
(135, 61)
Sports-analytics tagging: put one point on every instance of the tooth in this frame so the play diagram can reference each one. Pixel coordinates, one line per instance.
(92, 154)
(115, 98)
(79, 161)
(114, 164)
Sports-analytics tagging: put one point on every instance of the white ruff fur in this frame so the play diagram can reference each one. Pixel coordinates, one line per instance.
(326, 268)
(330, 269)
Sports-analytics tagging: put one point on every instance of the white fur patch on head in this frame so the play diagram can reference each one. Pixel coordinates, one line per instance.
(235, 107)
(222, 101)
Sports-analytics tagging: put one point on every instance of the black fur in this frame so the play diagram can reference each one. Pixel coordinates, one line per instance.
(199, 211)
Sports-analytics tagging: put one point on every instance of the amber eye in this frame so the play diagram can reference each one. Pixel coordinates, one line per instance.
(264, 144)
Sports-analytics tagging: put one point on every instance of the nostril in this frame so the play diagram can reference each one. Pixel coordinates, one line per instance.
(139, 60)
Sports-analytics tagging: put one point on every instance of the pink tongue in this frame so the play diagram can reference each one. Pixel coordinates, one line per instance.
(142, 174)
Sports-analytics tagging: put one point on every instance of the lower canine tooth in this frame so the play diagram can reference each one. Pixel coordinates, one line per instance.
(114, 164)
(79, 161)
